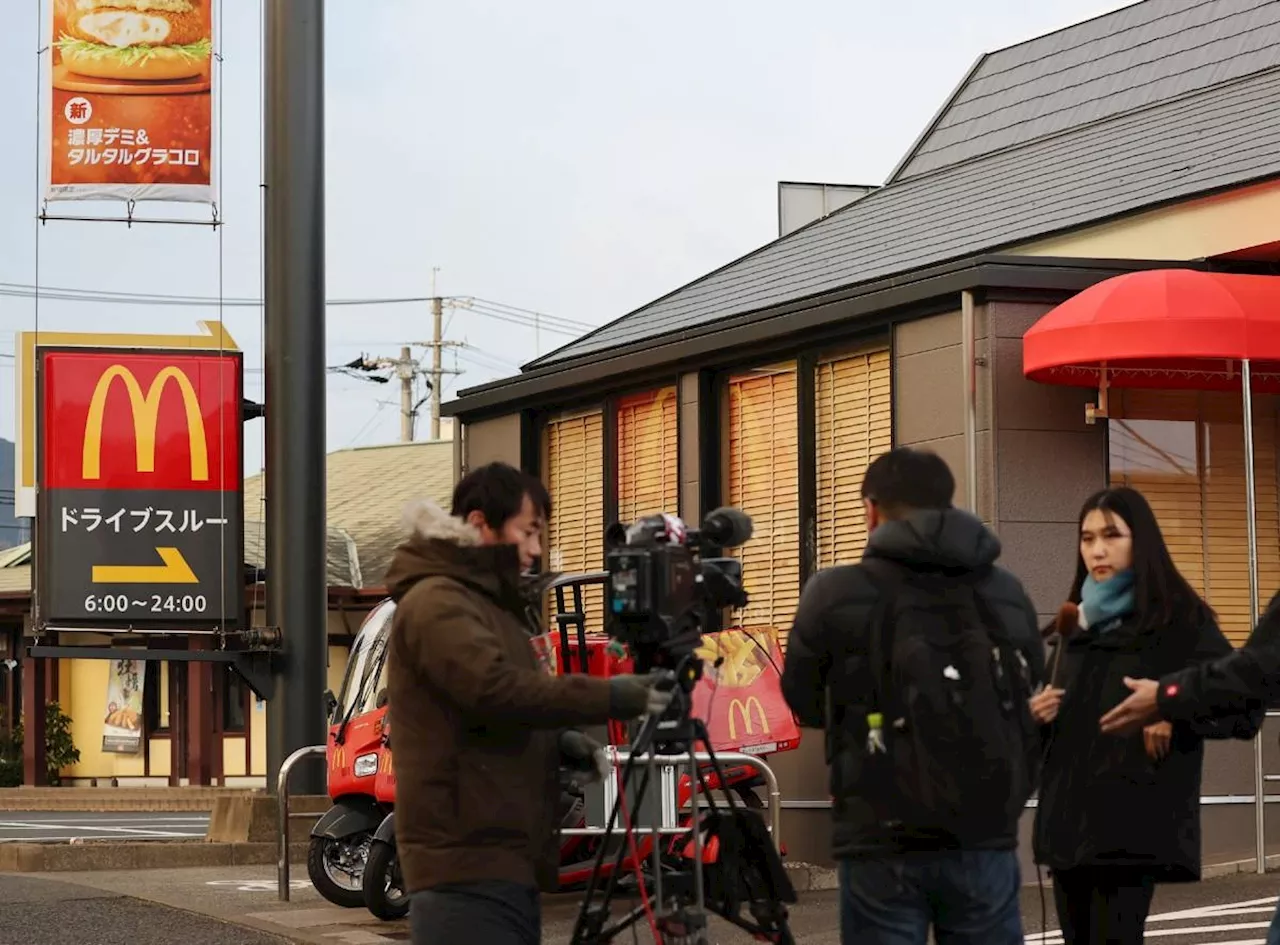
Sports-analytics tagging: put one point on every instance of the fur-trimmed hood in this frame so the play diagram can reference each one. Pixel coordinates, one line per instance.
(442, 544)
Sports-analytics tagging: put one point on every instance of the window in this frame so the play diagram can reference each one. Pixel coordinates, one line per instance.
(1185, 452)
(235, 696)
(364, 662)
(155, 697)
(853, 425)
(573, 458)
(762, 473)
(648, 460)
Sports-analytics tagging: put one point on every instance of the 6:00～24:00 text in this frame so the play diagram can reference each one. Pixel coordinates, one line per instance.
(155, 603)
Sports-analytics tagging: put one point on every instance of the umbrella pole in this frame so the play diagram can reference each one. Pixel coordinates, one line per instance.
(1259, 780)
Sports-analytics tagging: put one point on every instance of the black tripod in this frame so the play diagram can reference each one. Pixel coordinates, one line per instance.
(745, 868)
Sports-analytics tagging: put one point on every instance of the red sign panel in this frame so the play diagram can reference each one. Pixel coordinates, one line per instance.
(126, 420)
(742, 699)
(140, 519)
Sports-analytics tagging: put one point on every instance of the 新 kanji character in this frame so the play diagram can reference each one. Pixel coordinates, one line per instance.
(77, 110)
(95, 515)
(114, 520)
(167, 523)
(94, 136)
(144, 514)
(68, 517)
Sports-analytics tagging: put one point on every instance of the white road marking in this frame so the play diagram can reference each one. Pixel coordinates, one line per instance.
(1205, 914)
(57, 831)
(257, 885)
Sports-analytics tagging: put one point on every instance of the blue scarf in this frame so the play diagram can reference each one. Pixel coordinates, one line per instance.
(1105, 604)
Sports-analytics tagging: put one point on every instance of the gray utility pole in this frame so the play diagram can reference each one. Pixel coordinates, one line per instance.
(406, 369)
(293, 237)
(437, 349)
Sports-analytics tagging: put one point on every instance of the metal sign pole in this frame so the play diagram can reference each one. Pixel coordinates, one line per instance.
(293, 240)
(1259, 780)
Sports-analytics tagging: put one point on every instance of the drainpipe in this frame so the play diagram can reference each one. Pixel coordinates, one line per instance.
(969, 352)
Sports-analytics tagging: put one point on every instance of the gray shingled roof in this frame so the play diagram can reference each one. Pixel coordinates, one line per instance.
(1143, 54)
(1225, 136)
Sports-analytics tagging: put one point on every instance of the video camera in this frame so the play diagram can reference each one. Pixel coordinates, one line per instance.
(661, 592)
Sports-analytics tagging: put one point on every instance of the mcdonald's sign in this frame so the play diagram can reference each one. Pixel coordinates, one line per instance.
(140, 516)
(742, 710)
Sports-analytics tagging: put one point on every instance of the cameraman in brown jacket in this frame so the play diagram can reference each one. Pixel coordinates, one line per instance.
(480, 729)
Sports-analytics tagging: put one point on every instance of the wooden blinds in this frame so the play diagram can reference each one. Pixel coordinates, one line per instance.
(853, 425)
(1185, 452)
(573, 461)
(762, 480)
(648, 460)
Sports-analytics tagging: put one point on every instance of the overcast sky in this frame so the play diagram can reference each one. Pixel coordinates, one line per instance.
(577, 158)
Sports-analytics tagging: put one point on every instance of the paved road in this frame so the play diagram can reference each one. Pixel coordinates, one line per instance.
(118, 825)
(37, 911)
(1231, 911)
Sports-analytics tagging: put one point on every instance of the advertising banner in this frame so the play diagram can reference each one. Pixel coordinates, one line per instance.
(140, 512)
(132, 100)
(122, 725)
(742, 699)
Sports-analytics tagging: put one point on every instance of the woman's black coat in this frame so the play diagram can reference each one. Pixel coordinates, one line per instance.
(1102, 800)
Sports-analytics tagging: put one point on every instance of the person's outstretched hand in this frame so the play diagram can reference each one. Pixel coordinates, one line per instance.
(633, 696)
(1136, 712)
(585, 756)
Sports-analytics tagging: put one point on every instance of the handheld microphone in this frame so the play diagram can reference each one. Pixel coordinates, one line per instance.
(1067, 622)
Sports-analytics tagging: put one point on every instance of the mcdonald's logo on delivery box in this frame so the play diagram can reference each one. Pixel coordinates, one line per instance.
(131, 420)
(740, 710)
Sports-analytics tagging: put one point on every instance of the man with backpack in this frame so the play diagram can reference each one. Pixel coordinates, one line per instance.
(919, 662)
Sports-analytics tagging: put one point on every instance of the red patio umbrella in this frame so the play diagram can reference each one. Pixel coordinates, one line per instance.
(1172, 329)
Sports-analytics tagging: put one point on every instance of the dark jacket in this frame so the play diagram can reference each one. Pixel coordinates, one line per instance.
(1234, 690)
(476, 720)
(1103, 801)
(828, 651)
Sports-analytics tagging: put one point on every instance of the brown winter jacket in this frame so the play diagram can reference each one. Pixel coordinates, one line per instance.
(476, 720)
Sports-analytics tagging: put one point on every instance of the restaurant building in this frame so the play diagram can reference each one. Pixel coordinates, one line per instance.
(1148, 138)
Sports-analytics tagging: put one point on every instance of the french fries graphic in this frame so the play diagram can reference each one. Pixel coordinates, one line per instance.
(743, 659)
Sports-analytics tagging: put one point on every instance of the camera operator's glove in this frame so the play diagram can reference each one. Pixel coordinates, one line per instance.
(633, 696)
(585, 756)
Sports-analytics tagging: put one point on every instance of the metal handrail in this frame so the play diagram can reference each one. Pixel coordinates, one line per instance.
(282, 797)
(620, 758)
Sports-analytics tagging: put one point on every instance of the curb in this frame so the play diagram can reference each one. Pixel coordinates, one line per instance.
(807, 877)
(101, 800)
(1235, 867)
(90, 856)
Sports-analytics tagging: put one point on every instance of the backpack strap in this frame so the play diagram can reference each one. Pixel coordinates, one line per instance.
(887, 577)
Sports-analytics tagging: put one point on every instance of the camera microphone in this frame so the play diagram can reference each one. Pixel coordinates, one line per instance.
(727, 527)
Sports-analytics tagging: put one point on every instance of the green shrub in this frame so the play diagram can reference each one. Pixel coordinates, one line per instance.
(60, 748)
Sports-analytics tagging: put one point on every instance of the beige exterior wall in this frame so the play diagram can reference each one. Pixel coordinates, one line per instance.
(930, 395)
(489, 441)
(1196, 229)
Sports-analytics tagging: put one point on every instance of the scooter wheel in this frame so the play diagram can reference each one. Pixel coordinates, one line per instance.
(320, 871)
(384, 893)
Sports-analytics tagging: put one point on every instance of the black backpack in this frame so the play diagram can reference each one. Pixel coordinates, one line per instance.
(959, 753)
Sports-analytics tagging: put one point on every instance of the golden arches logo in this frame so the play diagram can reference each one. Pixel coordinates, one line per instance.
(743, 711)
(146, 411)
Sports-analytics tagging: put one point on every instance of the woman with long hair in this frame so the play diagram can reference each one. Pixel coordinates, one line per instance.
(1116, 815)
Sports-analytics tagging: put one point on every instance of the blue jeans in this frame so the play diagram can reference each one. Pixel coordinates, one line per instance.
(970, 897)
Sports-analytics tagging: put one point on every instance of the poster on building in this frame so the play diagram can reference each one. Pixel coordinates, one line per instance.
(741, 699)
(132, 93)
(122, 725)
(140, 516)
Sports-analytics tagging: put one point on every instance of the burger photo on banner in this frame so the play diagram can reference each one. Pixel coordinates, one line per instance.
(132, 100)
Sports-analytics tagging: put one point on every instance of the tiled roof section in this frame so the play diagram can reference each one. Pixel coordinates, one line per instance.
(368, 489)
(1138, 56)
(15, 579)
(1225, 136)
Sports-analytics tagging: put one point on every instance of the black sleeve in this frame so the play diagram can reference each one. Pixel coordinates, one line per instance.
(1240, 683)
(1020, 622)
(1212, 645)
(808, 661)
